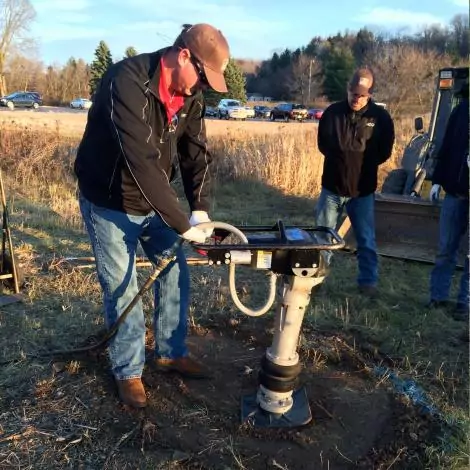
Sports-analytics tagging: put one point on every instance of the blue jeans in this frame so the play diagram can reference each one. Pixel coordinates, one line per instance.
(114, 238)
(453, 224)
(361, 213)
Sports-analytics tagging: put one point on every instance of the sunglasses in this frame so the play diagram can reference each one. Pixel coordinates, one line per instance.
(199, 70)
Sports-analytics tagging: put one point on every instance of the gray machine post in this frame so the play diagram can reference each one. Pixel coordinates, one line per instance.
(277, 402)
(300, 256)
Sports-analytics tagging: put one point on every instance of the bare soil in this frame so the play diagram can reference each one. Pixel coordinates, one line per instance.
(195, 424)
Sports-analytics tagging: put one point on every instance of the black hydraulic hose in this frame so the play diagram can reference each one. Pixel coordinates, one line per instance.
(162, 262)
(169, 256)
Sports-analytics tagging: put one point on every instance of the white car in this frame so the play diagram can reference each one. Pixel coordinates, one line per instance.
(231, 109)
(81, 103)
(250, 112)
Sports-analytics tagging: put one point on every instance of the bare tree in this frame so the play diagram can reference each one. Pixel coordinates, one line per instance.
(62, 84)
(23, 73)
(52, 84)
(459, 26)
(405, 75)
(305, 84)
(16, 17)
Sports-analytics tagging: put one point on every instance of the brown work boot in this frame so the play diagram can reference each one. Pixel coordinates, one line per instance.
(132, 392)
(369, 291)
(184, 366)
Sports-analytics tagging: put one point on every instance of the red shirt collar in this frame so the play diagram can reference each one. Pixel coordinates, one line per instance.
(173, 103)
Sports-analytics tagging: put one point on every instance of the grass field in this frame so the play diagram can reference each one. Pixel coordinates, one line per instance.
(387, 379)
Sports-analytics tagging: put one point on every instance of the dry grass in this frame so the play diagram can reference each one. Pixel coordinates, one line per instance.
(71, 123)
(284, 156)
(38, 166)
(58, 426)
(286, 160)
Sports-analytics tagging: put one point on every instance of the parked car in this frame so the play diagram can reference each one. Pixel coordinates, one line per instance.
(21, 100)
(231, 109)
(288, 111)
(315, 113)
(211, 111)
(262, 111)
(34, 93)
(81, 103)
(250, 112)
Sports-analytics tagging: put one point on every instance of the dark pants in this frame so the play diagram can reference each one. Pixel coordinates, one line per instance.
(453, 224)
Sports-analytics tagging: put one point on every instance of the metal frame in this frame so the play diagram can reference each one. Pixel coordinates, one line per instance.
(7, 240)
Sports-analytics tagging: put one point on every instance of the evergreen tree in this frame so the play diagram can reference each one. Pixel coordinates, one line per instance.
(130, 52)
(235, 80)
(285, 59)
(363, 45)
(338, 68)
(313, 47)
(103, 60)
(275, 62)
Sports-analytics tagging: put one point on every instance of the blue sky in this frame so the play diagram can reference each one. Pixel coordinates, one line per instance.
(66, 28)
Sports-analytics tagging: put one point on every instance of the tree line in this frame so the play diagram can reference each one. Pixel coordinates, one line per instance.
(234, 76)
(59, 84)
(76, 78)
(405, 65)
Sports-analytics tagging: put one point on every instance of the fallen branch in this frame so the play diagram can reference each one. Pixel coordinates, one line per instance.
(396, 458)
(123, 438)
(342, 455)
(14, 437)
(329, 414)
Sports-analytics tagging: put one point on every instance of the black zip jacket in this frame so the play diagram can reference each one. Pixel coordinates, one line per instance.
(128, 152)
(451, 170)
(354, 145)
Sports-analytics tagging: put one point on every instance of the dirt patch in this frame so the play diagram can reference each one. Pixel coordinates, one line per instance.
(195, 424)
(348, 413)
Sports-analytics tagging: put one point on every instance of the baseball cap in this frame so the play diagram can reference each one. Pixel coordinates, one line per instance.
(362, 82)
(209, 46)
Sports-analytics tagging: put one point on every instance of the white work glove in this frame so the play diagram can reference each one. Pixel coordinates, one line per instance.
(194, 234)
(198, 217)
(434, 193)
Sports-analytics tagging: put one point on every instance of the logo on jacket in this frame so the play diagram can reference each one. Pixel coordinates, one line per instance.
(370, 124)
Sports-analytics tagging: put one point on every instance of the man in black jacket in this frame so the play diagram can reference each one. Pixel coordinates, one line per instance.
(451, 173)
(147, 117)
(355, 136)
